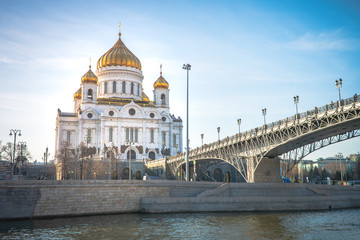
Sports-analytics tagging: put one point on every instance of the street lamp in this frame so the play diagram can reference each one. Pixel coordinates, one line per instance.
(340, 156)
(129, 152)
(187, 67)
(22, 145)
(264, 114)
(202, 139)
(296, 101)
(239, 123)
(15, 132)
(338, 85)
(218, 130)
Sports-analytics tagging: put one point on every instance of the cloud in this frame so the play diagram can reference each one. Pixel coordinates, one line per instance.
(323, 41)
(6, 60)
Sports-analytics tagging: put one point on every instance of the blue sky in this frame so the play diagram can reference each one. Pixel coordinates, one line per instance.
(245, 56)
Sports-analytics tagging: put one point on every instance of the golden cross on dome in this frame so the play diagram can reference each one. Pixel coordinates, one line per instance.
(90, 63)
(119, 28)
(160, 69)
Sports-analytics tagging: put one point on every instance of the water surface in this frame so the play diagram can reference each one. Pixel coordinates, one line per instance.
(339, 224)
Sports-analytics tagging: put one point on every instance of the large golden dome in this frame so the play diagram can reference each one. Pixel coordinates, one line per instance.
(119, 55)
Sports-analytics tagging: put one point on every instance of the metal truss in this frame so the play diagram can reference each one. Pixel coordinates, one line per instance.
(296, 155)
(292, 138)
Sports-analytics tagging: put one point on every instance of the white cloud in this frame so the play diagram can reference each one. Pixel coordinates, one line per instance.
(6, 60)
(323, 41)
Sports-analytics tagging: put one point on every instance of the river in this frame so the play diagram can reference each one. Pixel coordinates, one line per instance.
(336, 224)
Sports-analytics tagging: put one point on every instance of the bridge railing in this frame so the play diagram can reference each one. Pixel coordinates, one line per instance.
(301, 117)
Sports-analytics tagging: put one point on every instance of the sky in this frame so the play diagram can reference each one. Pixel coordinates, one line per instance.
(245, 56)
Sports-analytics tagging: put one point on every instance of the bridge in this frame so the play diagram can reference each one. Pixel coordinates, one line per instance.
(256, 153)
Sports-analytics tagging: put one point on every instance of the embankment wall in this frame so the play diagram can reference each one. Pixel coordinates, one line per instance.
(34, 199)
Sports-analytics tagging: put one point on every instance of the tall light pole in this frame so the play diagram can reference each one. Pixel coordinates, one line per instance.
(338, 85)
(264, 114)
(239, 123)
(339, 156)
(187, 67)
(129, 152)
(15, 132)
(296, 101)
(22, 145)
(218, 130)
(202, 139)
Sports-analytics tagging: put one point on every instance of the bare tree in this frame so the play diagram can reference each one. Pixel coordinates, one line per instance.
(66, 156)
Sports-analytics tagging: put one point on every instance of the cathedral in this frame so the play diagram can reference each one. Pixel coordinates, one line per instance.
(111, 109)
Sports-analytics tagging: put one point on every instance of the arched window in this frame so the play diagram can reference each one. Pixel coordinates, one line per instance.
(136, 135)
(151, 135)
(132, 156)
(123, 87)
(88, 135)
(131, 135)
(114, 86)
(110, 134)
(163, 102)
(105, 87)
(152, 155)
(127, 135)
(132, 88)
(227, 176)
(90, 94)
(139, 90)
(68, 137)
(163, 138)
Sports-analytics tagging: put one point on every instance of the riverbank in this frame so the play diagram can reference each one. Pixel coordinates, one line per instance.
(36, 199)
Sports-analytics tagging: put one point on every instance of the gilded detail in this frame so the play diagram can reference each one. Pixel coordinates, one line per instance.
(119, 55)
(161, 83)
(77, 94)
(89, 77)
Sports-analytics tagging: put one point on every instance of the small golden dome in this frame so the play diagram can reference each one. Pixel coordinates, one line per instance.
(77, 94)
(144, 96)
(89, 77)
(119, 55)
(161, 82)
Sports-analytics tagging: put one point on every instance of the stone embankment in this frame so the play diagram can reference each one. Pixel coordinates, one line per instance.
(34, 199)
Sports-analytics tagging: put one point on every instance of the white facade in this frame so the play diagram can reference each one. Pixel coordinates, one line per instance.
(113, 110)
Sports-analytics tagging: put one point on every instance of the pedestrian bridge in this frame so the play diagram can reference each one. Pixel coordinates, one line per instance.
(256, 153)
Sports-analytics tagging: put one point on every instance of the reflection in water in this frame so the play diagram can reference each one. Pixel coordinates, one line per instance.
(343, 224)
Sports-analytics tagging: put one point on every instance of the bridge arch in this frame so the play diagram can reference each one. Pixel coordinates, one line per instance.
(292, 138)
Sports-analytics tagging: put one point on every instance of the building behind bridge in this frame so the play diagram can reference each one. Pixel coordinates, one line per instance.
(115, 122)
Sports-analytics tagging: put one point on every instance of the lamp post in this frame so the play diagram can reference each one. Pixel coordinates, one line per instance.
(239, 123)
(264, 114)
(46, 155)
(165, 152)
(218, 130)
(187, 67)
(22, 145)
(129, 152)
(338, 85)
(296, 101)
(339, 156)
(15, 132)
(202, 139)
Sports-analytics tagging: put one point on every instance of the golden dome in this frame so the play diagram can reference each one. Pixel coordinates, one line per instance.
(161, 82)
(77, 94)
(144, 96)
(119, 55)
(89, 77)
